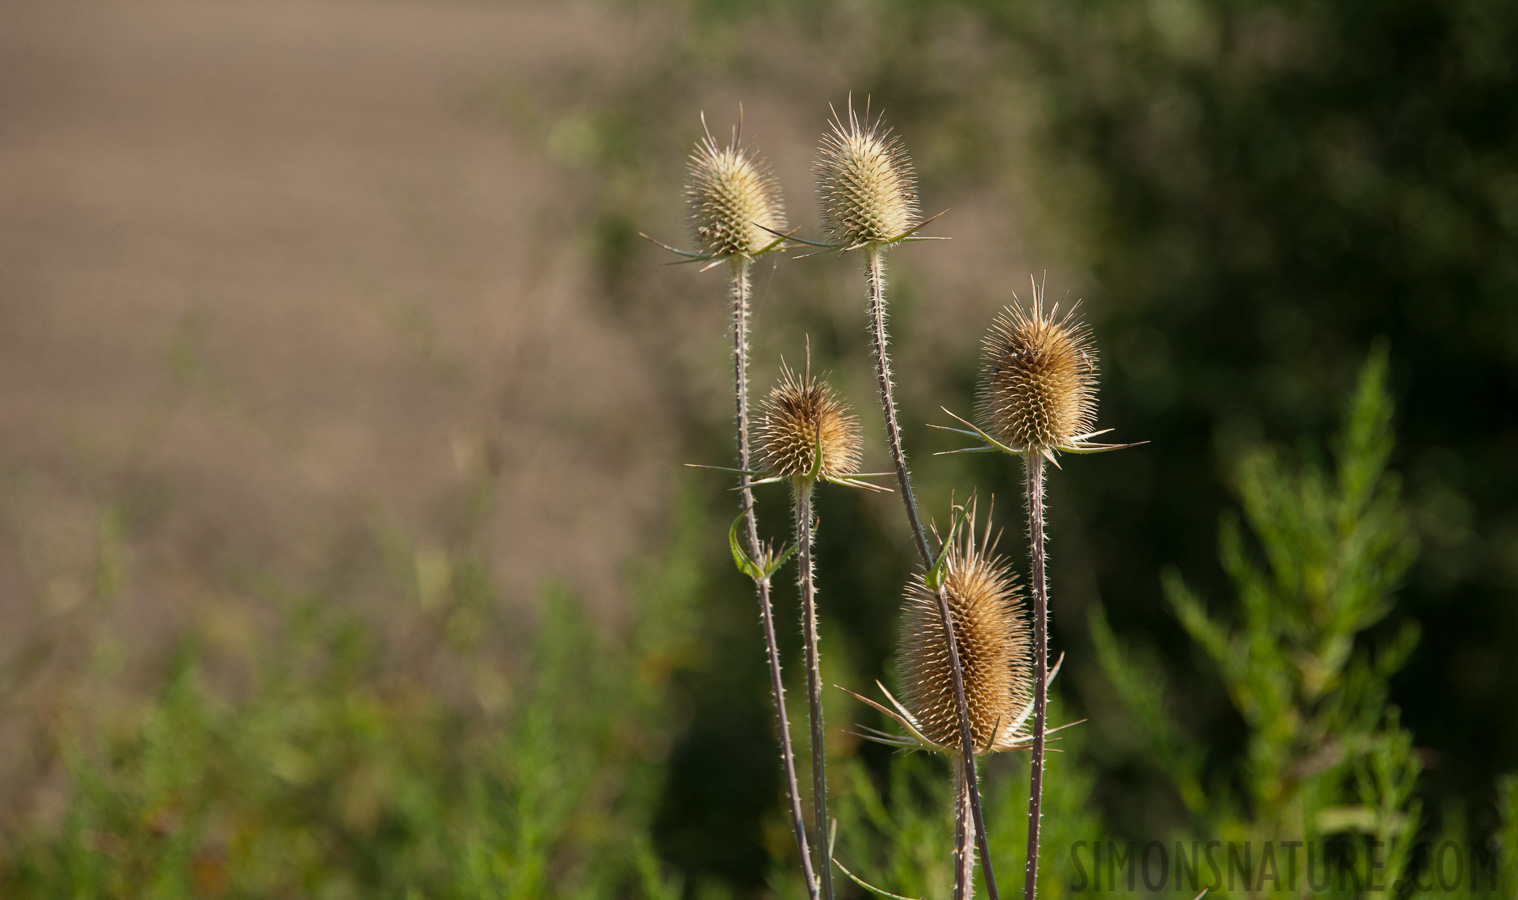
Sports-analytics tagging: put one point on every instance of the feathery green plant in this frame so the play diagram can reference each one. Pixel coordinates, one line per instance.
(1326, 757)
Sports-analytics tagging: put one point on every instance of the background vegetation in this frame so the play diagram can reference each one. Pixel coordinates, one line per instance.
(479, 677)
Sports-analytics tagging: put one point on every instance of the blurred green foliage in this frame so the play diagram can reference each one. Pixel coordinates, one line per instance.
(335, 775)
(539, 763)
(1327, 762)
(1335, 550)
(1326, 756)
(1260, 189)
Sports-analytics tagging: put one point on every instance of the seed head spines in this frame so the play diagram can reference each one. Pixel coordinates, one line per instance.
(806, 431)
(867, 185)
(733, 197)
(1038, 382)
(993, 640)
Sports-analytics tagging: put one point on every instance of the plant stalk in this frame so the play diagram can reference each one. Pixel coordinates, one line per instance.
(740, 290)
(875, 277)
(1033, 465)
(804, 529)
(964, 829)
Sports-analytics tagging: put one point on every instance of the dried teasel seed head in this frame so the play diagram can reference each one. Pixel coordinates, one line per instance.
(994, 642)
(868, 188)
(1038, 382)
(801, 418)
(733, 198)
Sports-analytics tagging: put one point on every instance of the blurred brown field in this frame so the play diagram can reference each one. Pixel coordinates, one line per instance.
(278, 279)
(273, 270)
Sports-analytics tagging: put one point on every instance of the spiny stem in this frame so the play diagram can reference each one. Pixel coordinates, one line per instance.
(875, 276)
(740, 274)
(813, 685)
(964, 862)
(1033, 465)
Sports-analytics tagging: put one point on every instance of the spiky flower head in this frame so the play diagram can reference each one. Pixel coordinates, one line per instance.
(733, 198)
(806, 431)
(993, 639)
(868, 188)
(1038, 383)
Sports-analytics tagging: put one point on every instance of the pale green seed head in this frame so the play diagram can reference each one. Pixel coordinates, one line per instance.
(868, 188)
(733, 198)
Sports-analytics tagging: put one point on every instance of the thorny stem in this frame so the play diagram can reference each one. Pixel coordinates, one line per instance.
(740, 275)
(964, 862)
(1033, 464)
(875, 276)
(804, 527)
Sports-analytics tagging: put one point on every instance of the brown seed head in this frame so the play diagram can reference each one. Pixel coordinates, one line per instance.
(868, 188)
(802, 417)
(1038, 382)
(994, 642)
(733, 197)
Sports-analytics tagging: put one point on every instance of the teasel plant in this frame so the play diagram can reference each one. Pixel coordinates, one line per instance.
(869, 204)
(737, 216)
(992, 640)
(807, 434)
(1037, 399)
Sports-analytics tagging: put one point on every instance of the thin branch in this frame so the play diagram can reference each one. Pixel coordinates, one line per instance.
(875, 276)
(804, 528)
(964, 827)
(1033, 464)
(740, 273)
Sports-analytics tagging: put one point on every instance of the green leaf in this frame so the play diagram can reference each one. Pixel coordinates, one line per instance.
(934, 577)
(816, 452)
(740, 556)
(773, 565)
